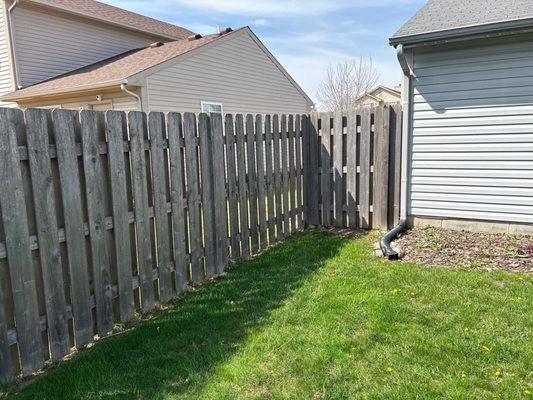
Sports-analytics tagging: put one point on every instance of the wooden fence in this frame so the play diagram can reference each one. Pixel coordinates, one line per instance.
(352, 168)
(106, 215)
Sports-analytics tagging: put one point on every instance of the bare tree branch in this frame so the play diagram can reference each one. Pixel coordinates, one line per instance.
(345, 82)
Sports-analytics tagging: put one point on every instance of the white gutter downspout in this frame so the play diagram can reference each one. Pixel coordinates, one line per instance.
(11, 35)
(139, 100)
(385, 243)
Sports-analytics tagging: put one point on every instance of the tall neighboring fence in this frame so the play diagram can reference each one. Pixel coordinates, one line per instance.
(353, 168)
(103, 216)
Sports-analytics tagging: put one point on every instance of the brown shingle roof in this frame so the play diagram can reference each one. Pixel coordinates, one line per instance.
(112, 70)
(118, 16)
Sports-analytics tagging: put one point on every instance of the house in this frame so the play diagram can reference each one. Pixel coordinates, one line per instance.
(468, 154)
(87, 54)
(380, 95)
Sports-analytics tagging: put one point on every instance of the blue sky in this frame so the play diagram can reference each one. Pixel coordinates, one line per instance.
(305, 36)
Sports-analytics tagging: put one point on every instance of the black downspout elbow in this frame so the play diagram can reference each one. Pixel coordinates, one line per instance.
(385, 243)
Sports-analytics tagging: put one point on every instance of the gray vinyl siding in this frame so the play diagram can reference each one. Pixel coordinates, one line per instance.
(472, 133)
(236, 73)
(6, 78)
(49, 44)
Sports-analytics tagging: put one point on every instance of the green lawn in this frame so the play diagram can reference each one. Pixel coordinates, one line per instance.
(320, 317)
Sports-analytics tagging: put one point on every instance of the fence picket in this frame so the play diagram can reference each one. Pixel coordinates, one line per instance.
(326, 168)
(351, 167)
(159, 165)
(364, 174)
(66, 128)
(177, 199)
(38, 124)
(243, 188)
(299, 120)
(252, 182)
(233, 190)
(92, 134)
(277, 176)
(381, 168)
(208, 204)
(269, 181)
(285, 175)
(137, 133)
(12, 203)
(292, 172)
(220, 198)
(263, 242)
(337, 170)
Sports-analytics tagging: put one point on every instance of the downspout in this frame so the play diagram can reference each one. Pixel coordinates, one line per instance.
(129, 92)
(385, 243)
(11, 35)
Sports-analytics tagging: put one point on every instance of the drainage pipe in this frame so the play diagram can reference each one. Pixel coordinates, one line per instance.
(385, 243)
(125, 90)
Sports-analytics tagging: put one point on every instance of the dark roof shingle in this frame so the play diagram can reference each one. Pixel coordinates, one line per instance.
(119, 16)
(447, 15)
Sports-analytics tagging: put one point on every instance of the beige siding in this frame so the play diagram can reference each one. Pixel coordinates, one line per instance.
(236, 73)
(472, 132)
(49, 44)
(6, 79)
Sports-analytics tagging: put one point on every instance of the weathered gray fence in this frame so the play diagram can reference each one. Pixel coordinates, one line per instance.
(106, 215)
(352, 168)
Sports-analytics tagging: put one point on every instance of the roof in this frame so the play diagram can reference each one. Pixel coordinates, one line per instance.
(370, 93)
(439, 19)
(130, 66)
(117, 16)
(112, 71)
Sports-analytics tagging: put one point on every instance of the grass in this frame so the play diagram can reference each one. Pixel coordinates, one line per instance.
(319, 317)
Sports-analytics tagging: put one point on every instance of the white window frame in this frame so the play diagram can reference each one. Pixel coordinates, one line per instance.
(211, 103)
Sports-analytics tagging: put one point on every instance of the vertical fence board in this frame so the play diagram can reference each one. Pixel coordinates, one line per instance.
(364, 175)
(312, 183)
(337, 170)
(193, 197)
(381, 168)
(92, 133)
(221, 202)
(269, 181)
(351, 168)
(137, 132)
(66, 127)
(177, 199)
(243, 190)
(116, 133)
(233, 191)
(157, 133)
(292, 172)
(38, 124)
(12, 203)
(285, 175)
(299, 173)
(395, 163)
(252, 182)
(263, 242)
(326, 168)
(277, 176)
(206, 169)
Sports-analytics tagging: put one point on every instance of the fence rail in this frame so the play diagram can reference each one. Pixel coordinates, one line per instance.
(105, 215)
(353, 168)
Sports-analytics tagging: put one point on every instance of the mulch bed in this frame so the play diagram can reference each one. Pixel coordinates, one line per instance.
(459, 249)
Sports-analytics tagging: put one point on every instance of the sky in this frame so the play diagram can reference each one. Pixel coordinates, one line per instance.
(305, 36)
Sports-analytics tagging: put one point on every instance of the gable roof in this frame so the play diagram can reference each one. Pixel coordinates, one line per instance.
(118, 17)
(131, 66)
(371, 93)
(439, 19)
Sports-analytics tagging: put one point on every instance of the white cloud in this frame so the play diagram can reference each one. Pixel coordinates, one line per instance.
(261, 22)
(203, 29)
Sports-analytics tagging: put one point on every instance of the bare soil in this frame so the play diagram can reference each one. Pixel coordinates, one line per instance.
(459, 249)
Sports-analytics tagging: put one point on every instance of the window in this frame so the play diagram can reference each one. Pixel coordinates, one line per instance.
(211, 107)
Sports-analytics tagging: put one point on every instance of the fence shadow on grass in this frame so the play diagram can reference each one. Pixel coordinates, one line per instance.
(175, 352)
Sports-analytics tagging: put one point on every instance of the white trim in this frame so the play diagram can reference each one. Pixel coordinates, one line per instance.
(213, 103)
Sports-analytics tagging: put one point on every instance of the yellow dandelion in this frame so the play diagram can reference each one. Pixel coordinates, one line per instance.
(412, 294)
(485, 347)
(520, 278)
(526, 392)
(389, 370)
(353, 348)
(497, 374)
(463, 375)
(394, 291)
(466, 330)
